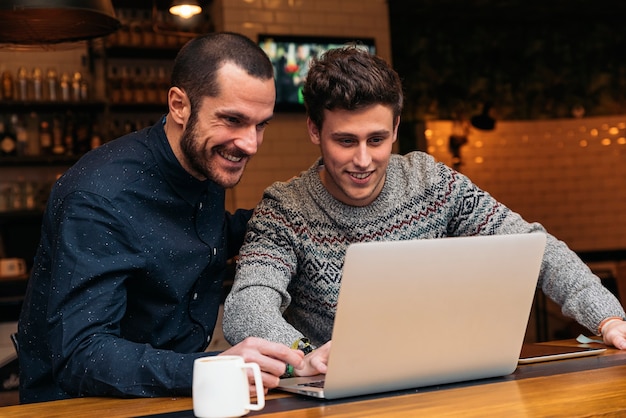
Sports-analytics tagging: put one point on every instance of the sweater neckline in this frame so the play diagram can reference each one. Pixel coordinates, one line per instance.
(329, 203)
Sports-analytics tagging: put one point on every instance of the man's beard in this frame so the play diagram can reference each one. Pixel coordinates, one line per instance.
(199, 158)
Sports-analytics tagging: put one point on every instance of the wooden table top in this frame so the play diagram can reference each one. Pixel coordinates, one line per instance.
(589, 386)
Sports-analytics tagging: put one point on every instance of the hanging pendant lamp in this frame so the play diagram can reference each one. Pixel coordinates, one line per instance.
(185, 8)
(33, 22)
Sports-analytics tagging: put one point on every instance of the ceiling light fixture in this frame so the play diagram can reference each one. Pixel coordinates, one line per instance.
(185, 8)
(34, 22)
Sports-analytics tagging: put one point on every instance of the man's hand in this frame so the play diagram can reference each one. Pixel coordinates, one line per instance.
(316, 362)
(614, 333)
(271, 357)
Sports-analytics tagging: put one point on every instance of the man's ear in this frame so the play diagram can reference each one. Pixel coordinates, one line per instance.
(179, 105)
(314, 132)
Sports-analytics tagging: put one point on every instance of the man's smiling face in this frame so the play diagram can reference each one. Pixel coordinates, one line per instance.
(356, 147)
(225, 131)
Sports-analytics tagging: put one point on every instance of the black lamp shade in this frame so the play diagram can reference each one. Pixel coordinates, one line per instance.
(32, 22)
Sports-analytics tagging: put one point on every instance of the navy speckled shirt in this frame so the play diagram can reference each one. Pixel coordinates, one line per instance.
(127, 279)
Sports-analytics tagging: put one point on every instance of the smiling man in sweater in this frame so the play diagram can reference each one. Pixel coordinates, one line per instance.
(289, 273)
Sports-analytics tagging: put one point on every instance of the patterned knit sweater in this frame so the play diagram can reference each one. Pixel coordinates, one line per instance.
(289, 272)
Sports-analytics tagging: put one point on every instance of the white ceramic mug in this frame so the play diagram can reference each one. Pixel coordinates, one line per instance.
(220, 387)
(11, 267)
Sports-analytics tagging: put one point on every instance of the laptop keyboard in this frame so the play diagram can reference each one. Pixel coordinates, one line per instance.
(316, 384)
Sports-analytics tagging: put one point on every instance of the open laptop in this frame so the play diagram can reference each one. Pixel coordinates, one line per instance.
(428, 312)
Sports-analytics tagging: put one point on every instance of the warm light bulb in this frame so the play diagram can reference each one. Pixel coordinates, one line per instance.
(185, 10)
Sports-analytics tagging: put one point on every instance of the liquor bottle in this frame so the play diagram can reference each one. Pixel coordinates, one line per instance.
(22, 84)
(139, 86)
(76, 82)
(29, 195)
(126, 86)
(151, 87)
(96, 137)
(115, 84)
(31, 125)
(163, 85)
(66, 87)
(45, 138)
(7, 85)
(58, 147)
(136, 35)
(51, 76)
(21, 136)
(37, 84)
(82, 139)
(8, 142)
(123, 33)
(159, 35)
(84, 89)
(69, 134)
(128, 127)
(147, 30)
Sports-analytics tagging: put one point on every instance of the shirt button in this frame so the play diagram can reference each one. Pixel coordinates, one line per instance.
(195, 296)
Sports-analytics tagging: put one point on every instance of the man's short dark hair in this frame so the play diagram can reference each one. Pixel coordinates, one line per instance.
(196, 65)
(350, 78)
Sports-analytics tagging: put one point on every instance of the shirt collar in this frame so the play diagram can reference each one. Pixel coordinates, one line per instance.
(187, 186)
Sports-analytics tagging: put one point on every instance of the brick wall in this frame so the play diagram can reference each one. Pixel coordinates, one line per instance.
(568, 174)
(286, 150)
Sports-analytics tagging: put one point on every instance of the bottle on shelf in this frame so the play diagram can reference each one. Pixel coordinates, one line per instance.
(148, 31)
(96, 137)
(84, 89)
(76, 81)
(128, 127)
(22, 84)
(82, 138)
(66, 87)
(8, 141)
(115, 84)
(123, 33)
(17, 201)
(160, 38)
(37, 84)
(139, 86)
(163, 85)
(53, 84)
(28, 195)
(151, 87)
(21, 135)
(69, 134)
(7, 85)
(58, 146)
(45, 138)
(136, 31)
(126, 86)
(31, 125)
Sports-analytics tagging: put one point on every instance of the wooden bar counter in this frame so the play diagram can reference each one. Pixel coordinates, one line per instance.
(587, 386)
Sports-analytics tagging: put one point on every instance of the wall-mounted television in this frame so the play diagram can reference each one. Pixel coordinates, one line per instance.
(291, 56)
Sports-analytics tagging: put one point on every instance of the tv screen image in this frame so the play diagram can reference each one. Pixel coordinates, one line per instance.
(291, 57)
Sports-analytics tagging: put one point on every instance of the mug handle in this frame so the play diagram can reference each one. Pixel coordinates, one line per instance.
(258, 382)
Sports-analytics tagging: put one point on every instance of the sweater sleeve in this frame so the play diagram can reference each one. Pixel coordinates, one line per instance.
(563, 277)
(567, 280)
(266, 265)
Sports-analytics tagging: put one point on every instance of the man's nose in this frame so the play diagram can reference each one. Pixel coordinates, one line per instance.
(249, 140)
(362, 157)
